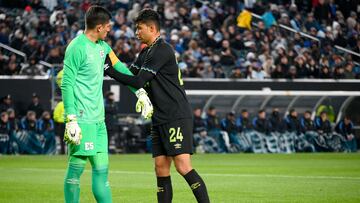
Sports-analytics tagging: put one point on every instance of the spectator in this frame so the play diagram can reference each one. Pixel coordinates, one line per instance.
(45, 123)
(243, 121)
(346, 129)
(261, 123)
(33, 68)
(292, 122)
(6, 103)
(236, 74)
(322, 123)
(322, 11)
(199, 123)
(203, 142)
(307, 124)
(12, 69)
(35, 105)
(13, 121)
(349, 74)
(28, 123)
(4, 133)
(325, 73)
(212, 120)
(214, 130)
(276, 122)
(228, 124)
(257, 72)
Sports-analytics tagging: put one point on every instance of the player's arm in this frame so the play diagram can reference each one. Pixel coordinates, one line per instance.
(137, 81)
(153, 62)
(134, 69)
(72, 62)
(114, 65)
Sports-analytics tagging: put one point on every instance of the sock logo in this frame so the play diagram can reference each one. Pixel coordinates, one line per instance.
(160, 189)
(73, 181)
(195, 185)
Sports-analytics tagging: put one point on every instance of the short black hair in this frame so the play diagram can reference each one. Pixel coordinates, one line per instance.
(148, 16)
(96, 15)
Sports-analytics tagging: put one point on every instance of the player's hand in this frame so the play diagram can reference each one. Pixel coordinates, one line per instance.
(72, 131)
(144, 104)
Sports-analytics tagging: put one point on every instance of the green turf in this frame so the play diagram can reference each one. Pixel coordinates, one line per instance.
(229, 178)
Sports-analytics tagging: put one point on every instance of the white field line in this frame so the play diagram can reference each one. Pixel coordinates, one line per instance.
(209, 174)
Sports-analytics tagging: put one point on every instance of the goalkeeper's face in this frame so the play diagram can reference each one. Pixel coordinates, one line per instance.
(103, 30)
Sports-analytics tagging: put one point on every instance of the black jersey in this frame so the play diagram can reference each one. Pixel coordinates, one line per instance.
(165, 90)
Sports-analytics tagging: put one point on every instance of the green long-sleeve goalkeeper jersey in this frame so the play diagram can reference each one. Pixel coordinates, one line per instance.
(83, 78)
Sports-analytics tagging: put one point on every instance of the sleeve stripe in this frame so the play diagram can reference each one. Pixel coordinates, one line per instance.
(114, 59)
(149, 70)
(135, 66)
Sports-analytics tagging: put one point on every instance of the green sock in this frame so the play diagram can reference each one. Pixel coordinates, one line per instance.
(100, 184)
(72, 180)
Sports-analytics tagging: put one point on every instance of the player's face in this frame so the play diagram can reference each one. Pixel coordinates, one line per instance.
(103, 30)
(143, 32)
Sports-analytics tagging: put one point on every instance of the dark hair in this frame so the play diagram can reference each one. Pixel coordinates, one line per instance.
(211, 108)
(96, 15)
(148, 16)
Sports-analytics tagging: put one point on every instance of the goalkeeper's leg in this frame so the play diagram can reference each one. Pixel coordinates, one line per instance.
(100, 183)
(72, 179)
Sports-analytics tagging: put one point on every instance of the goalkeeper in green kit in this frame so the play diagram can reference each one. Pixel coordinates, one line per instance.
(81, 88)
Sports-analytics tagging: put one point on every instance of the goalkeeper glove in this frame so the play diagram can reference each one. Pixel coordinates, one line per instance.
(144, 104)
(72, 131)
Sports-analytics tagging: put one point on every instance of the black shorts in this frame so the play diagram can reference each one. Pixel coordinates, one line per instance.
(172, 138)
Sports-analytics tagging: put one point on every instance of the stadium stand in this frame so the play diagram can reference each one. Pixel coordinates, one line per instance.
(288, 39)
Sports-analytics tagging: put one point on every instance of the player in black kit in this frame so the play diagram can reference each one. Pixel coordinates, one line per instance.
(156, 71)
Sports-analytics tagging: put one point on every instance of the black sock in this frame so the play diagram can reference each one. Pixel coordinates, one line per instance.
(164, 193)
(198, 186)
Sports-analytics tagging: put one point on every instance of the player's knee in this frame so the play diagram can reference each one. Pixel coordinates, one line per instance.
(183, 169)
(162, 170)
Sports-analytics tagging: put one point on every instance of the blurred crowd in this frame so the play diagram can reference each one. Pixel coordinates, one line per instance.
(204, 34)
(274, 133)
(34, 130)
(30, 130)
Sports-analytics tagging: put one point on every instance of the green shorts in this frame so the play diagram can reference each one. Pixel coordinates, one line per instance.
(94, 140)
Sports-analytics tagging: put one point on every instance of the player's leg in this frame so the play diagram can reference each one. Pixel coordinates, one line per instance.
(72, 178)
(162, 170)
(183, 166)
(162, 167)
(180, 147)
(100, 183)
(100, 166)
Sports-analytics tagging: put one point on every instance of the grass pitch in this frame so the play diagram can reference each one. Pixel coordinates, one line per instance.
(229, 178)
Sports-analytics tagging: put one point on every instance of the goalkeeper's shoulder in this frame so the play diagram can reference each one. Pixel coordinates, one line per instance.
(76, 44)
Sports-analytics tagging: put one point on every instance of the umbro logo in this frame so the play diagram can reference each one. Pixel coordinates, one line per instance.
(106, 66)
(177, 146)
